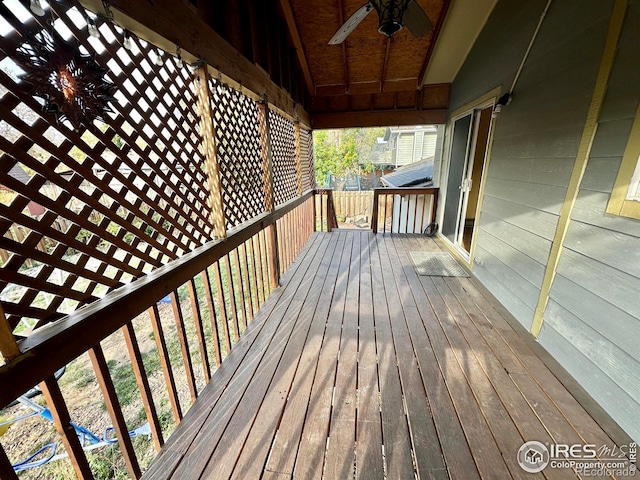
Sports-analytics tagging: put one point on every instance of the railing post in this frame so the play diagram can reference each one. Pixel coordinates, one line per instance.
(67, 432)
(267, 168)
(434, 205)
(374, 211)
(206, 283)
(332, 221)
(223, 305)
(113, 407)
(6, 470)
(272, 255)
(313, 210)
(211, 153)
(181, 333)
(143, 384)
(167, 372)
(330, 210)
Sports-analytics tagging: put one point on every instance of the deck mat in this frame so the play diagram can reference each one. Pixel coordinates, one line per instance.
(437, 264)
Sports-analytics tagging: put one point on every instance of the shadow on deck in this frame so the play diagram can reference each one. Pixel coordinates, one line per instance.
(357, 366)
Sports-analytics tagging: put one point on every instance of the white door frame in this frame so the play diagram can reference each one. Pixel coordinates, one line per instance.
(472, 108)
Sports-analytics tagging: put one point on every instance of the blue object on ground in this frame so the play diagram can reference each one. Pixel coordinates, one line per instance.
(29, 463)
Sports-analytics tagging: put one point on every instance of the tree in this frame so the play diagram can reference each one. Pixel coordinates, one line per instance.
(344, 152)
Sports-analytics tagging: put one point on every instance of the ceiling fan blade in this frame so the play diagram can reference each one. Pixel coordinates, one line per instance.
(416, 20)
(348, 27)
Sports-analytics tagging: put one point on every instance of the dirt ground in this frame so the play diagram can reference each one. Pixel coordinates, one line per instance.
(85, 402)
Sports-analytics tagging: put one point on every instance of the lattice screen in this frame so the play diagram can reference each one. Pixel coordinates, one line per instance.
(284, 157)
(83, 213)
(239, 153)
(306, 154)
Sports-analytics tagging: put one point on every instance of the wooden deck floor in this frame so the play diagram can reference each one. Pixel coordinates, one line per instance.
(359, 368)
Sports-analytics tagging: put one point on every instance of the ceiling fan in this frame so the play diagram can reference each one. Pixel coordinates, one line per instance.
(392, 14)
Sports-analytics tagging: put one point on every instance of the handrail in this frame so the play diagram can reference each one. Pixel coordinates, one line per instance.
(56, 344)
(402, 191)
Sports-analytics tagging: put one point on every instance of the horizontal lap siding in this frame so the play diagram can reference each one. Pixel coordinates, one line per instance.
(536, 137)
(592, 322)
(594, 311)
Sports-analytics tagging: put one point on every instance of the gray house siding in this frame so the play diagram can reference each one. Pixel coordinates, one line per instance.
(536, 137)
(592, 322)
(595, 301)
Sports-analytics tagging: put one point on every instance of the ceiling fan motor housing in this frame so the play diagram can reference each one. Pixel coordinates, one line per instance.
(390, 13)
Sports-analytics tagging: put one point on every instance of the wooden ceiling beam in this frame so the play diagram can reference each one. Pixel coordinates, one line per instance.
(164, 23)
(365, 88)
(297, 43)
(378, 118)
(234, 28)
(435, 95)
(343, 46)
(385, 61)
(258, 33)
(429, 96)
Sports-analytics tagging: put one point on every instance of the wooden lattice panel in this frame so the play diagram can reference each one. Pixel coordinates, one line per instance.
(239, 153)
(82, 213)
(284, 157)
(306, 158)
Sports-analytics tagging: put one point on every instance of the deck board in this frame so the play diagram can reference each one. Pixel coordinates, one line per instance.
(395, 428)
(357, 367)
(369, 423)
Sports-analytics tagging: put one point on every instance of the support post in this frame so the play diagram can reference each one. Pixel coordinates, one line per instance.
(211, 153)
(269, 203)
(298, 156)
(267, 157)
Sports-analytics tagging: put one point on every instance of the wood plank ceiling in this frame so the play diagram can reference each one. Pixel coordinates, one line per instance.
(280, 48)
(368, 72)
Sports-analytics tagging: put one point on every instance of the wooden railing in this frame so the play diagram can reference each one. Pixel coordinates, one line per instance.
(404, 210)
(188, 192)
(234, 275)
(325, 212)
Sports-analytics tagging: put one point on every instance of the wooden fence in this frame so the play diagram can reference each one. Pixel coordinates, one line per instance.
(353, 208)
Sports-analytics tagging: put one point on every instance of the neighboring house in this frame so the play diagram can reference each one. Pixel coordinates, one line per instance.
(381, 153)
(407, 145)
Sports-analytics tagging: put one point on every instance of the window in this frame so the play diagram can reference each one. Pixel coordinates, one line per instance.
(625, 198)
